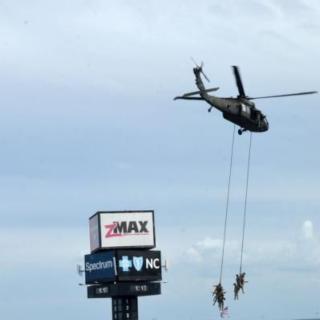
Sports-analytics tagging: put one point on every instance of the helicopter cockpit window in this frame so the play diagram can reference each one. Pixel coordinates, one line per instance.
(255, 115)
(244, 108)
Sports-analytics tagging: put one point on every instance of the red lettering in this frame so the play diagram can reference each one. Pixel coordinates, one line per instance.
(110, 233)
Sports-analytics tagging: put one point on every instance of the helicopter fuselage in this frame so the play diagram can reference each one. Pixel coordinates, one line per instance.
(240, 111)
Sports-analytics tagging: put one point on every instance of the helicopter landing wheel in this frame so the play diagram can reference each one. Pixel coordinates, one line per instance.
(209, 110)
(241, 131)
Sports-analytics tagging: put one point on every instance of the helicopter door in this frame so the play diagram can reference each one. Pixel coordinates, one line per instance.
(245, 111)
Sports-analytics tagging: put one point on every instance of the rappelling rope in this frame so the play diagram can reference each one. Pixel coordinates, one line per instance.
(245, 202)
(227, 204)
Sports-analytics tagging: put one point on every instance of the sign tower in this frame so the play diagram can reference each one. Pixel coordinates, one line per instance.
(121, 265)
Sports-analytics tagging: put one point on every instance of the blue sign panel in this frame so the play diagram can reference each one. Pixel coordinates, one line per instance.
(100, 267)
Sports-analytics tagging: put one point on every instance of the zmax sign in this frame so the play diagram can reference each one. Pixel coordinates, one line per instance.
(122, 229)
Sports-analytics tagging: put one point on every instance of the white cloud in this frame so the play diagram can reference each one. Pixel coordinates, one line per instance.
(194, 255)
(209, 243)
(307, 229)
(274, 253)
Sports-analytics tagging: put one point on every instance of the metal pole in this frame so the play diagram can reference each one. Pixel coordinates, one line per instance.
(125, 308)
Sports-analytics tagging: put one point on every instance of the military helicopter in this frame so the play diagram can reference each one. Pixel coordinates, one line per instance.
(240, 110)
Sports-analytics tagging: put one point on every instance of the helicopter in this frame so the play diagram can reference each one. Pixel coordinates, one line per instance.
(240, 110)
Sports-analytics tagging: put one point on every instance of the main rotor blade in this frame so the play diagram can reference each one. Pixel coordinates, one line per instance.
(284, 95)
(238, 81)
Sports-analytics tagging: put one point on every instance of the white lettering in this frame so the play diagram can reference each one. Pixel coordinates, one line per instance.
(102, 290)
(98, 265)
(153, 263)
(149, 264)
(156, 263)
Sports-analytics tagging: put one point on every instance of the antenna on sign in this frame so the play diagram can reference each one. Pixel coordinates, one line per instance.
(165, 266)
(80, 270)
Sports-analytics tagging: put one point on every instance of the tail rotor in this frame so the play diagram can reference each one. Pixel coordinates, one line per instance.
(199, 67)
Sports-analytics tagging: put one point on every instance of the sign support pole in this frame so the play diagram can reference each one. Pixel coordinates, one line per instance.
(125, 308)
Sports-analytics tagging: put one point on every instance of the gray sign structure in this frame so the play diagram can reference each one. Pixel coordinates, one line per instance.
(121, 265)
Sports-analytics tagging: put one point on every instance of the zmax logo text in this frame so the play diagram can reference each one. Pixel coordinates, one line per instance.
(126, 228)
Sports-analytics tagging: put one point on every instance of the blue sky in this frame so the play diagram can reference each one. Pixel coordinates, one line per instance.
(88, 123)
